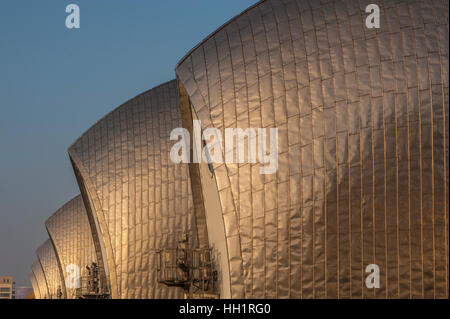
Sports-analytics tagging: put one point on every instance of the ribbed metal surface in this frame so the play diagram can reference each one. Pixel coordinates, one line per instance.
(70, 232)
(362, 117)
(53, 277)
(140, 199)
(34, 285)
(40, 280)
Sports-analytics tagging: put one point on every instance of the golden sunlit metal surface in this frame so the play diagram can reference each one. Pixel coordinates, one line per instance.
(139, 200)
(40, 280)
(362, 118)
(51, 271)
(362, 154)
(70, 232)
(34, 285)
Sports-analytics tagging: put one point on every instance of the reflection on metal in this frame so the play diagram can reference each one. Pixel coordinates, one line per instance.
(362, 118)
(210, 227)
(51, 271)
(93, 285)
(138, 198)
(34, 285)
(191, 269)
(41, 283)
(71, 235)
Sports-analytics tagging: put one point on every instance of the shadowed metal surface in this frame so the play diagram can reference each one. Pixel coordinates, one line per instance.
(140, 199)
(40, 280)
(362, 117)
(34, 285)
(71, 235)
(53, 277)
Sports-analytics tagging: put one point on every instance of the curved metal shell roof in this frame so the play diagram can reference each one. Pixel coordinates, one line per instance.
(70, 232)
(40, 280)
(140, 200)
(34, 285)
(362, 118)
(52, 274)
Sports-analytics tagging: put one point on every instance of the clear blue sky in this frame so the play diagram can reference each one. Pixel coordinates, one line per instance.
(55, 83)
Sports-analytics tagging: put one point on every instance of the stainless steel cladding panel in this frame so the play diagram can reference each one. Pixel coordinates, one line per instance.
(139, 199)
(362, 118)
(70, 232)
(53, 277)
(40, 280)
(34, 285)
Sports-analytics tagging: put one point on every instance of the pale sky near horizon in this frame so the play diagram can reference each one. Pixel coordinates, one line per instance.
(55, 83)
